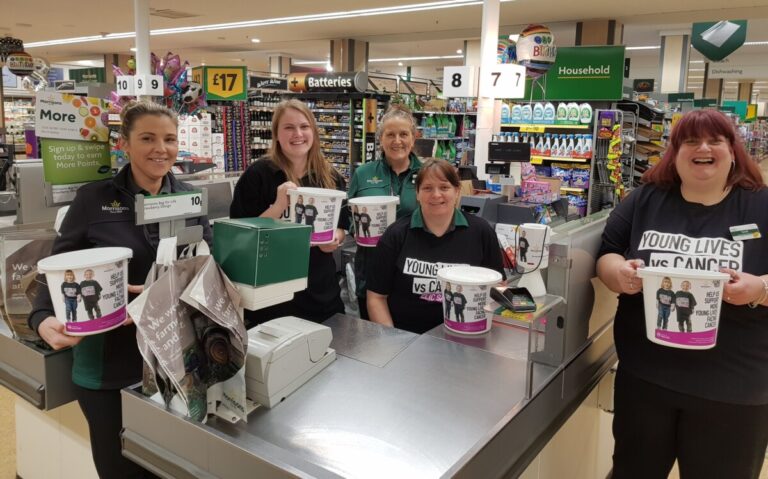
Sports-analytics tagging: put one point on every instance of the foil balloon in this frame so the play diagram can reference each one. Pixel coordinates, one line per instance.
(131, 64)
(536, 50)
(506, 51)
(41, 67)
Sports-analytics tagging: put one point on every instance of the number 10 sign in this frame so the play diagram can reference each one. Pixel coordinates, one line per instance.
(503, 81)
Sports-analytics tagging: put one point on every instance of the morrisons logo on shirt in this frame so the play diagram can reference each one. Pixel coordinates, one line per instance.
(600, 70)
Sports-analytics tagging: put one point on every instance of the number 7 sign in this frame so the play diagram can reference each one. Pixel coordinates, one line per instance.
(504, 81)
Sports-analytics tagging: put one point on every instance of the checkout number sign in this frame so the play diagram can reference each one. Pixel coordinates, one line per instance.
(504, 81)
(459, 82)
(163, 207)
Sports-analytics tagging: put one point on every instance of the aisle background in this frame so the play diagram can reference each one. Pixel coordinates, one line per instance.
(8, 425)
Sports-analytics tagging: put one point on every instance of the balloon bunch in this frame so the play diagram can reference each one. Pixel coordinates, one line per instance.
(182, 95)
(38, 79)
(535, 50)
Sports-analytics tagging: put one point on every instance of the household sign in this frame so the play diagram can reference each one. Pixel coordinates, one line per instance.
(584, 73)
(66, 161)
(717, 40)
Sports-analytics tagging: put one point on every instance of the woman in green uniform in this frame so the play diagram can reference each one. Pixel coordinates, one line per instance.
(393, 175)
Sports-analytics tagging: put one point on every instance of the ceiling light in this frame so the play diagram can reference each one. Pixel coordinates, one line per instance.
(459, 51)
(648, 47)
(133, 49)
(255, 40)
(399, 64)
(750, 44)
(408, 59)
(202, 63)
(309, 62)
(696, 61)
(694, 77)
(328, 67)
(695, 69)
(367, 12)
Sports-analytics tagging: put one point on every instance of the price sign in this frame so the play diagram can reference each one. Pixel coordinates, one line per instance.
(126, 85)
(166, 207)
(226, 83)
(460, 82)
(532, 129)
(504, 81)
(536, 160)
(149, 85)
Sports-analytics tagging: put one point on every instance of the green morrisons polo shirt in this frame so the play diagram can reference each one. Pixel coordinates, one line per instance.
(376, 178)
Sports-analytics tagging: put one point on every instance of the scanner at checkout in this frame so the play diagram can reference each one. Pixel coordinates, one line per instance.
(283, 354)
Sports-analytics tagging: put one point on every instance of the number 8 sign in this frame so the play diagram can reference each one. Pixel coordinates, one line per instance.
(460, 82)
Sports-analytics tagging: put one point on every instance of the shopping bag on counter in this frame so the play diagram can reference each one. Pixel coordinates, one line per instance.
(191, 335)
(19, 283)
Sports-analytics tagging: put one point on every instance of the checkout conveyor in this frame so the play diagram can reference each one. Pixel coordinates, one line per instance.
(397, 404)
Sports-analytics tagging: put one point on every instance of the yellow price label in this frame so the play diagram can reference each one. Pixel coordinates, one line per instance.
(536, 160)
(532, 128)
(225, 83)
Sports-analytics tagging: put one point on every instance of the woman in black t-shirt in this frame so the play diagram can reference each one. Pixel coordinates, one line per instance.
(294, 160)
(707, 409)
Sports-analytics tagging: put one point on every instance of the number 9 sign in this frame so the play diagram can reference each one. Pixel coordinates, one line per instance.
(150, 85)
(460, 82)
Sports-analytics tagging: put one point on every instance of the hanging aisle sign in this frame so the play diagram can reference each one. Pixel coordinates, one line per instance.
(222, 83)
(328, 82)
(717, 40)
(583, 73)
(268, 83)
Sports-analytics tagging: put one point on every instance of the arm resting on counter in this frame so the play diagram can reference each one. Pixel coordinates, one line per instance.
(378, 309)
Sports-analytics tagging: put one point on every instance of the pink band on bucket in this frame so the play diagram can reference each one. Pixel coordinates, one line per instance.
(472, 327)
(703, 338)
(94, 325)
(322, 237)
(368, 240)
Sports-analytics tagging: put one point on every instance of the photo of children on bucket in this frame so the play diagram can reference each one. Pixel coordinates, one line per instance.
(87, 291)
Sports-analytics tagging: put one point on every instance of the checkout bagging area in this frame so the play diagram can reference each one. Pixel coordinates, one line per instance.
(351, 398)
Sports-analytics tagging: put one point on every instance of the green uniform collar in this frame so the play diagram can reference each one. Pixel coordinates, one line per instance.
(417, 220)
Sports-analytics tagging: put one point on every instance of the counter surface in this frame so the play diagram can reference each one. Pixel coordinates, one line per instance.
(393, 404)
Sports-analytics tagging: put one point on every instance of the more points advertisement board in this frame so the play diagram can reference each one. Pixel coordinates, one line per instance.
(582, 73)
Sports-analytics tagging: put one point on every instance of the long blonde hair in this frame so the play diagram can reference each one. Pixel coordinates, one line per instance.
(319, 171)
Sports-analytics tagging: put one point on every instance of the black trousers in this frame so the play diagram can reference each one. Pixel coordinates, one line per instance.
(653, 426)
(362, 304)
(103, 410)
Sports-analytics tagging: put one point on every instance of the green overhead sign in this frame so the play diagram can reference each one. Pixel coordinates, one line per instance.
(680, 97)
(704, 102)
(583, 73)
(717, 40)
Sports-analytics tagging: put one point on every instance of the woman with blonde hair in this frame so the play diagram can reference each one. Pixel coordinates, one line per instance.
(294, 160)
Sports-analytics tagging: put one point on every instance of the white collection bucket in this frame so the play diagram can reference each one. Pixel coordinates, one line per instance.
(682, 306)
(533, 246)
(319, 208)
(89, 288)
(371, 216)
(466, 291)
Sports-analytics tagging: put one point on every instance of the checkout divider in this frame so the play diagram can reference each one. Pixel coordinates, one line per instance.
(399, 404)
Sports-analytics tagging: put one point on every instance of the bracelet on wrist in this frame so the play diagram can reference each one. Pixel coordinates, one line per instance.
(763, 295)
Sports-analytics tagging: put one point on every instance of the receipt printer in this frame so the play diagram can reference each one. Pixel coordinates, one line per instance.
(283, 354)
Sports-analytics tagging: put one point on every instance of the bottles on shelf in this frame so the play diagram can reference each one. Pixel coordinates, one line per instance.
(261, 104)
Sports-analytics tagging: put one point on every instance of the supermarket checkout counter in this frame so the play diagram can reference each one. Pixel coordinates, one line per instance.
(399, 404)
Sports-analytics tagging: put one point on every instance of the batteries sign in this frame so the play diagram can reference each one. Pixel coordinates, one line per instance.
(328, 82)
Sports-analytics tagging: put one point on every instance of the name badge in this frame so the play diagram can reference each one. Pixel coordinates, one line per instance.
(745, 232)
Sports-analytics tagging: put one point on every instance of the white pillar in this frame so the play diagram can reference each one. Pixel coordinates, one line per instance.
(487, 108)
(141, 20)
(673, 62)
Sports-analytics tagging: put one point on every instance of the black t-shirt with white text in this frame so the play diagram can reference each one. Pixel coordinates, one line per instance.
(663, 229)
